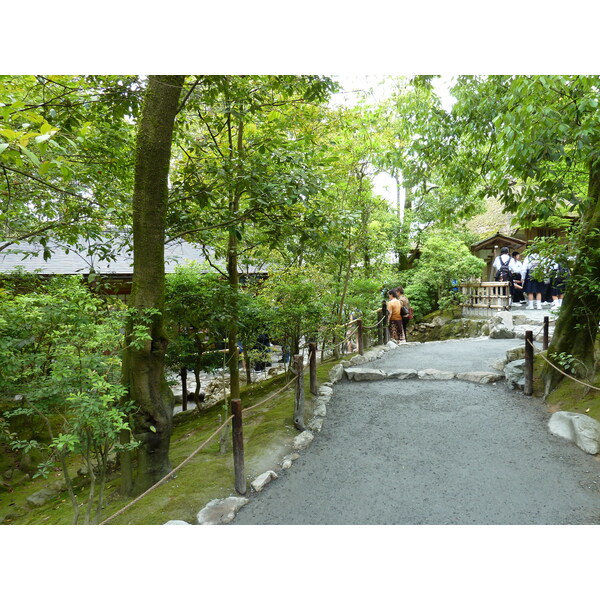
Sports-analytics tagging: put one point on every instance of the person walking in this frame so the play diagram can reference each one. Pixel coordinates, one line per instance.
(394, 309)
(406, 309)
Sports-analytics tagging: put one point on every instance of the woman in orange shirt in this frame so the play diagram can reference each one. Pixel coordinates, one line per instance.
(394, 309)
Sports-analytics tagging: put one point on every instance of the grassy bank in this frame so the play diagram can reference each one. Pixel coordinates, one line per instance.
(268, 436)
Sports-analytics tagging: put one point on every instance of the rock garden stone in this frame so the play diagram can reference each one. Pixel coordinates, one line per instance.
(364, 374)
(346, 363)
(514, 372)
(315, 424)
(303, 440)
(286, 464)
(42, 497)
(358, 360)
(336, 373)
(515, 353)
(582, 430)
(176, 522)
(402, 374)
(259, 483)
(480, 377)
(391, 345)
(220, 511)
(320, 410)
(435, 375)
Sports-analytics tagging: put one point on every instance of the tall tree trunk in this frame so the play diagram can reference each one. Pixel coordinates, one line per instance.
(143, 367)
(577, 326)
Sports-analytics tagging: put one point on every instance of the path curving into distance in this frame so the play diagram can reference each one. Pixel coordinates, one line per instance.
(433, 452)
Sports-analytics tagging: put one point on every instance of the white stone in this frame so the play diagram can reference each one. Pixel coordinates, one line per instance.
(580, 429)
(515, 353)
(293, 456)
(336, 373)
(320, 410)
(480, 377)
(434, 374)
(358, 360)
(303, 440)
(515, 374)
(402, 374)
(259, 483)
(220, 511)
(325, 391)
(176, 522)
(286, 464)
(315, 424)
(391, 345)
(364, 374)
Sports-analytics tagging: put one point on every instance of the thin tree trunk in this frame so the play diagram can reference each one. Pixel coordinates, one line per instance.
(143, 367)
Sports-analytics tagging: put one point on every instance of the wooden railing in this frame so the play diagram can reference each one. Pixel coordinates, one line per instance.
(483, 298)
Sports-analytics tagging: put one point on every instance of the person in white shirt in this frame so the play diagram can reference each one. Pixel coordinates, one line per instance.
(532, 286)
(503, 266)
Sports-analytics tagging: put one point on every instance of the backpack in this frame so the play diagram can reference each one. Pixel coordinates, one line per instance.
(503, 273)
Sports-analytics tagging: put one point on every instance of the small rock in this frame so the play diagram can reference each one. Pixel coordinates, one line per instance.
(515, 353)
(580, 429)
(358, 360)
(293, 456)
(402, 374)
(220, 511)
(259, 483)
(42, 497)
(303, 440)
(320, 410)
(336, 373)
(480, 377)
(325, 391)
(434, 374)
(346, 363)
(391, 345)
(286, 464)
(515, 374)
(315, 424)
(364, 374)
(176, 522)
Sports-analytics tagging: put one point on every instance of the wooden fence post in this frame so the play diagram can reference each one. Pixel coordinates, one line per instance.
(386, 333)
(528, 388)
(183, 375)
(312, 357)
(546, 332)
(379, 328)
(238, 446)
(299, 401)
(360, 338)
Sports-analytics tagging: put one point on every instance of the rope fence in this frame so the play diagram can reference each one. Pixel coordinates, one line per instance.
(354, 331)
(195, 452)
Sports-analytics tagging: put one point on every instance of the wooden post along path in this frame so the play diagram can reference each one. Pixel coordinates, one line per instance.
(379, 327)
(360, 336)
(299, 401)
(386, 332)
(546, 332)
(238, 446)
(312, 357)
(528, 388)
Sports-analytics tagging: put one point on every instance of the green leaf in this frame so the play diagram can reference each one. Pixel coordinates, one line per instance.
(32, 157)
(3, 147)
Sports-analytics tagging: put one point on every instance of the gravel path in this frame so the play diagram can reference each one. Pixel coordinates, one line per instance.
(431, 452)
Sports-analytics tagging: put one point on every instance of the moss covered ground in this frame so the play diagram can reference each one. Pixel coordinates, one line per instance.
(268, 436)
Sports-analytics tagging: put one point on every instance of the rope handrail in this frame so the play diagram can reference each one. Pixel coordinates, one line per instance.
(593, 387)
(194, 453)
